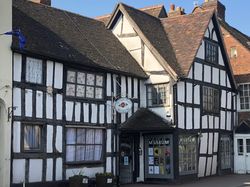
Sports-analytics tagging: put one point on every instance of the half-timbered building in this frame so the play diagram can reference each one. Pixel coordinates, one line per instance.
(174, 69)
(190, 87)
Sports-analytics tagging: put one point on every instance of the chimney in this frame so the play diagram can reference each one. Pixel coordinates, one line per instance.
(175, 12)
(220, 9)
(45, 2)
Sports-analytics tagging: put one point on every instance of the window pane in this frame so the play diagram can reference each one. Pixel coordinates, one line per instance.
(80, 78)
(248, 145)
(80, 92)
(70, 90)
(99, 80)
(90, 79)
(71, 136)
(70, 153)
(98, 137)
(98, 152)
(98, 93)
(34, 70)
(89, 153)
(71, 76)
(90, 136)
(80, 153)
(80, 138)
(90, 92)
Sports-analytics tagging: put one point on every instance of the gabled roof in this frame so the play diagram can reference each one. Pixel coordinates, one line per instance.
(156, 11)
(186, 33)
(242, 38)
(153, 35)
(71, 38)
(243, 128)
(145, 120)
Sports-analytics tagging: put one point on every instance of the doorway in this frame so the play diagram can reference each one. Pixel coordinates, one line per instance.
(242, 154)
(126, 159)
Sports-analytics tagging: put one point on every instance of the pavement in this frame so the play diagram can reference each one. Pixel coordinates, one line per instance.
(215, 181)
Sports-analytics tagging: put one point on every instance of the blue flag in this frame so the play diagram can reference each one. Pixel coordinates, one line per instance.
(21, 38)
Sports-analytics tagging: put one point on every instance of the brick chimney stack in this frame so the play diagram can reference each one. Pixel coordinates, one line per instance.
(217, 5)
(45, 2)
(175, 12)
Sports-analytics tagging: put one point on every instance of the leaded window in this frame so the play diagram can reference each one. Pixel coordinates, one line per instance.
(225, 151)
(244, 96)
(211, 98)
(240, 146)
(211, 52)
(32, 139)
(158, 94)
(34, 70)
(84, 85)
(187, 154)
(84, 145)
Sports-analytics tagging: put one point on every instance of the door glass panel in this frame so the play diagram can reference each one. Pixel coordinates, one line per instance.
(240, 146)
(248, 145)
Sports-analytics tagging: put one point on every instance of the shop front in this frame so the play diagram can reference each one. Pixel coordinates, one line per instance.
(146, 149)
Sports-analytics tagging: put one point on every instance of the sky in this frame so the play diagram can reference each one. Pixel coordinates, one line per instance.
(237, 11)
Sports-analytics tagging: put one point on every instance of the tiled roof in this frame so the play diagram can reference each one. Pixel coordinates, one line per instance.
(242, 38)
(156, 11)
(142, 121)
(153, 30)
(71, 38)
(244, 127)
(185, 32)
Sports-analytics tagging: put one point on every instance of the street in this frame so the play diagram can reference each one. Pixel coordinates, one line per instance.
(215, 181)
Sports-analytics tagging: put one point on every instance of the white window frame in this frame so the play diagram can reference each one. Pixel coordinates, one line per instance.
(240, 97)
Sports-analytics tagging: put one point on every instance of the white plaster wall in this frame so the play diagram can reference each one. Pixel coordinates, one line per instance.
(16, 137)
(35, 170)
(18, 168)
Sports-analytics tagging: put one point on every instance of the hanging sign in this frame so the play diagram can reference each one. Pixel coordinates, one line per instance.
(123, 105)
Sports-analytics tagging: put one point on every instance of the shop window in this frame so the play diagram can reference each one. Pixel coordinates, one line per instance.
(211, 104)
(158, 160)
(225, 152)
(187, 154)
(233, 52)
(84, 145)
(34, 70)
(158, 94)
(32, 139)
(84, 85)
(244, 96)
(211, 51)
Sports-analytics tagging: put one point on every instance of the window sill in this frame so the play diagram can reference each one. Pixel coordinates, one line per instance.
(157, 106)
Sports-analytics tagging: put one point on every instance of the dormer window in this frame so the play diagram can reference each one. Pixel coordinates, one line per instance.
(211, 52)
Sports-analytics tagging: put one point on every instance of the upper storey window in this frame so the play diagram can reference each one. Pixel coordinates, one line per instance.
(158, 94)
(244, 96)
(84, 85)
(211, 52)
(34, 70)
(211, 100)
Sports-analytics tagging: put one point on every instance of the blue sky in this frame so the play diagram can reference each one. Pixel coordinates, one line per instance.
(237, 11)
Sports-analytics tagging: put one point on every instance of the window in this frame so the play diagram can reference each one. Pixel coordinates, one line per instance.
(244, 96)
(187, 154)
(233, 52)
(158, 94)
(211, 100)
(32, 137)
(248, 145)
(225, 150)
(211, 52)
(84, 145)
(34, 70)
(84, 85)
(240, 146)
